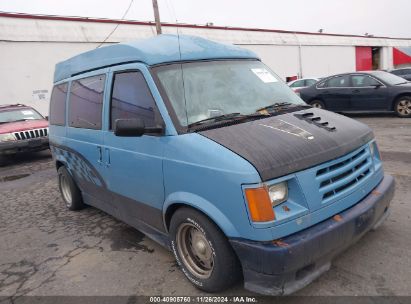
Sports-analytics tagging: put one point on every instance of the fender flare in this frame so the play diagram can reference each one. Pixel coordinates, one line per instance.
(203, 205)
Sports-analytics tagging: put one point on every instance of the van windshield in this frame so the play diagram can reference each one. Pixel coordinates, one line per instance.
(198, 91)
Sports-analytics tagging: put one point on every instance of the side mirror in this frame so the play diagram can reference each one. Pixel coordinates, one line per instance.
(377, 86)
(134, 127)
(46, 117)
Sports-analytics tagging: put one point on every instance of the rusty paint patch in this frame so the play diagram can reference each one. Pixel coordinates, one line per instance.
(280, 243)
(337, 218)
(286, 209)
(376, 193)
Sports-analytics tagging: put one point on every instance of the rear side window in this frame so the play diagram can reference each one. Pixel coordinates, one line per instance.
(338, 82)
(297, 84)
(131, 98)
(86, 102)
(363, 81)
(310, 82)
(58, 105)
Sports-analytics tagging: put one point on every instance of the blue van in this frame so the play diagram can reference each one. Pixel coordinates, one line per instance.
(204, 149)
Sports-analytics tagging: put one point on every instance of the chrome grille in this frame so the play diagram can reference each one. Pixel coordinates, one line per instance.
(29, 134)
(344, 175)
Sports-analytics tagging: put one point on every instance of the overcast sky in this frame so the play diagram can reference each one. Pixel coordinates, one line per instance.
(377, 17)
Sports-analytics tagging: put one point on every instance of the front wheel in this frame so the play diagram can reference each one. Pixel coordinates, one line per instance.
(402, 107)
(202, 251)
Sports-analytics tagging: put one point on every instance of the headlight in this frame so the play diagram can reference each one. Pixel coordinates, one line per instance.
(374, 151)
(278, 193)
(7, 137)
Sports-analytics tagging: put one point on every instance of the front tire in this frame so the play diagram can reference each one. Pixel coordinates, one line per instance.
(317, 104)
(402, 107)
(69, 191)
(203, 252)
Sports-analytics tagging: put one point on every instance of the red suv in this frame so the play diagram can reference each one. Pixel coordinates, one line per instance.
(22, 129)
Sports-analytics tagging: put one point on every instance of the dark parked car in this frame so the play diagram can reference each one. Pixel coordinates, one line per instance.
(404, 73)
(361, 92)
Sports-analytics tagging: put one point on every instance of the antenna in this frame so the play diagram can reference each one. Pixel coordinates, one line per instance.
(179, 52)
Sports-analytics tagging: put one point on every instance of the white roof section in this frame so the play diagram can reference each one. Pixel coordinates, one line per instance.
(40, 28)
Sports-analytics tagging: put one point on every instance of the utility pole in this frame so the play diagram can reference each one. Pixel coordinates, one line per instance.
(157, 17)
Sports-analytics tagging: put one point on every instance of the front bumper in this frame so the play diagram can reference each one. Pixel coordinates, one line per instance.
(16, 146)
(284, 266)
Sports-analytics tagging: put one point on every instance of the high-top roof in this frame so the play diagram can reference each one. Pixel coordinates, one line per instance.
(157, 50)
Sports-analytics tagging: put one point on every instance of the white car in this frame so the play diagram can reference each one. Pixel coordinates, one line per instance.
(298, 84)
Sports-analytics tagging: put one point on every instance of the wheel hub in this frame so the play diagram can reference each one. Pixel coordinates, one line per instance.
(195, 251)
(65, 189)
(404, 107)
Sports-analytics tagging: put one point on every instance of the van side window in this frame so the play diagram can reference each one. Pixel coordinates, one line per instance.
(131, 98)
(86, 102)
(58, 105)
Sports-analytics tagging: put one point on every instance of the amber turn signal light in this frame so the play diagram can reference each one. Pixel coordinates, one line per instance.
(259, 204)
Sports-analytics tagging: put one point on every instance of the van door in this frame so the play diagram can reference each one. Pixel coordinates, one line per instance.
(84, 145)
(134, 164)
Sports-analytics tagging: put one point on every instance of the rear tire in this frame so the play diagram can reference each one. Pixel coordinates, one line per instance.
(317, 104)
(69, 191)
(203, 252)
(402, 107)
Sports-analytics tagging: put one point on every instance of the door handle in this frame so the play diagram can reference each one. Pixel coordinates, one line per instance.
(107, 152)
(100, 155)
(356, 91)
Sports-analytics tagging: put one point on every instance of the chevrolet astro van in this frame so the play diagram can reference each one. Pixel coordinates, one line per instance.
(203, 148)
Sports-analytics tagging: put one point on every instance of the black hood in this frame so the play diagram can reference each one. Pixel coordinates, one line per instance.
(291, 142)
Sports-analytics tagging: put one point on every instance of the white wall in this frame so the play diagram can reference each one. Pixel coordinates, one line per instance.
(386, 58)
(322, 61)
(29, 66)
(283, 60)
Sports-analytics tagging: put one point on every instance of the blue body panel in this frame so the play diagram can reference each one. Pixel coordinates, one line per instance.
(201, 173)
(151, 51)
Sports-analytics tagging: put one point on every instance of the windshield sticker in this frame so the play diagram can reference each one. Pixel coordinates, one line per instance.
(286, 127)
(264, 75)
(27, 112)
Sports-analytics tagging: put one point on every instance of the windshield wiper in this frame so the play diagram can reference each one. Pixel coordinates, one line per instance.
(274, 106)
(279, 105)
(231, 116)
(405, 82)
(216, 118)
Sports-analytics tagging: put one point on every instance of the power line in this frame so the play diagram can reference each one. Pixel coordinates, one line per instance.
(118, 24)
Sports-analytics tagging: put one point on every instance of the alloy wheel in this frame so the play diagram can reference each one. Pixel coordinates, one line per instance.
(404, 107)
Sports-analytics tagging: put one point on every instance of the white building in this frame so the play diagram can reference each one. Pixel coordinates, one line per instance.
(30, 46)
